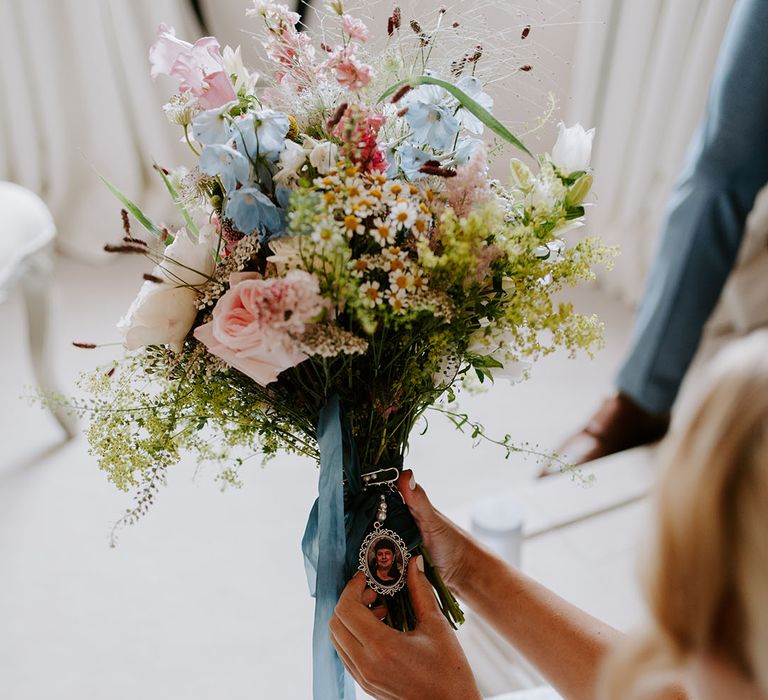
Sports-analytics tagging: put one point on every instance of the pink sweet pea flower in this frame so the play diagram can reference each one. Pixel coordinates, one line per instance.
(199, 67)
(257, 321)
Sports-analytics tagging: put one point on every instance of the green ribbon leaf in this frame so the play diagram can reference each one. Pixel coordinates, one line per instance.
(134, 209)
(467, 102)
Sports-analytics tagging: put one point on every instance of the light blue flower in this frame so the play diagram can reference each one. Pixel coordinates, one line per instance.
(465, 147)
(251, 210)
(283, 196)
(261, 134)
(212, 126)
(472, 87)
(230, 165)
(431, 118)
(411, 159)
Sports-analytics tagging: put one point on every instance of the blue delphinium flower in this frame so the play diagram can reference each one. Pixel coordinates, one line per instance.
(431, 117)
(465, 147)
(251, 210)
(411, 159)
(261, 134)
(212, 126)
(283, 196)
(472, 87)
(230, 165)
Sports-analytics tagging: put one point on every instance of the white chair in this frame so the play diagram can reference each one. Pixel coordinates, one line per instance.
(27, 232)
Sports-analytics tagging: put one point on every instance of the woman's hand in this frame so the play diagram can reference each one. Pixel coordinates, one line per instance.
(390, 665)
(448, 545)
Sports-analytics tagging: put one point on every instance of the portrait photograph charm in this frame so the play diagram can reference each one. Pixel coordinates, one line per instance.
(384, 560)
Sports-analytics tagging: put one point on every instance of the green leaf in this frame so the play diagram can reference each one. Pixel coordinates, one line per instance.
(467, 102)
(134, 209)
(486, 361)
(191, 227)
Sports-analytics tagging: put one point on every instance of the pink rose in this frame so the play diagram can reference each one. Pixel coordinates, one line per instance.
(199, 67)
(354, 27)
(256, 322)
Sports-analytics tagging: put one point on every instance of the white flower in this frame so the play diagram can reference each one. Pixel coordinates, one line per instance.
(292, 158)
(371, 294)
(232, 62)
(401, 215)
(323, 155)
(573, 148)
(285, 253)
(163, 313)
(181, 108)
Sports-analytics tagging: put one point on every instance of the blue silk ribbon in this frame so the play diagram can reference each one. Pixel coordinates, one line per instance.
(325, 548)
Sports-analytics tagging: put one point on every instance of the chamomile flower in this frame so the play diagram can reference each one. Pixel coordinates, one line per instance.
(360, 266)
(371, 294)
(419, 281)
(400, 281)
(420, 226)
(353, 224)
(393, 189)
(326, 233)
(402, 215)
(397, 300)
(359, 206)
(382, 232)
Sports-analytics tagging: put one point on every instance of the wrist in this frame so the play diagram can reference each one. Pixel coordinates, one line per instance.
(478, 570)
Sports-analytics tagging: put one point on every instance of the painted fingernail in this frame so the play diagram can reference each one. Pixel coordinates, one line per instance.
(412, 482)
(420, 563)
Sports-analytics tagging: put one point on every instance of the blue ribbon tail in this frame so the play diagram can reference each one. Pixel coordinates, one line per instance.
(324, 546)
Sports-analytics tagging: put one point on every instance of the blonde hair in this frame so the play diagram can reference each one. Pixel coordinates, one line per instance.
(707, 581)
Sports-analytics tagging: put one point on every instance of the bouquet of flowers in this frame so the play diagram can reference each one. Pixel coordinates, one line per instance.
(345, 263)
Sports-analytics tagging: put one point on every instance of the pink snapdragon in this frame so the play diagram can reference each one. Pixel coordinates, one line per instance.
(348, 71)
(354, 28)
(257, 322)
(199, 67)
(358, 130)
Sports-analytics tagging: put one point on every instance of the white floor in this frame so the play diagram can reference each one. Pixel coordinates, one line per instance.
(206, 597)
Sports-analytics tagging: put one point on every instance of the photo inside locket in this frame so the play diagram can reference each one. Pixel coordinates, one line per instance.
(385, 561)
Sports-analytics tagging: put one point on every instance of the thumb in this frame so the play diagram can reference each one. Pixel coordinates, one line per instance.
(422, 596)
(355, 588)
(415, 498)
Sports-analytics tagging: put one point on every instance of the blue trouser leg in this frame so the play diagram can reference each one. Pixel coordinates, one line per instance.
(726, 167)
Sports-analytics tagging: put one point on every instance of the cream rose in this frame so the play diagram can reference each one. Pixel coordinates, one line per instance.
(163, 313)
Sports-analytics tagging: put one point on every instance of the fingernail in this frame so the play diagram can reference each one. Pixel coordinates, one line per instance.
(420, 563)
(412, 482)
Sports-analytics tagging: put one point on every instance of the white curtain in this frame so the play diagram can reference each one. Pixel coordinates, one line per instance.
(641, 73)
(76, 99)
